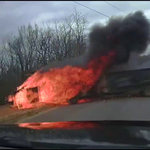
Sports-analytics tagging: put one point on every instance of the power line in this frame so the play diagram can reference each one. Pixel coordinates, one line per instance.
(91, 9)
(115, 7)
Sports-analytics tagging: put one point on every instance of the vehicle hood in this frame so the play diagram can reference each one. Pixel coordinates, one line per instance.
(94, 132)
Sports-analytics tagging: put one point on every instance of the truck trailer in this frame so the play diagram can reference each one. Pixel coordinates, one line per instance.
(131, 78)
(132, 82)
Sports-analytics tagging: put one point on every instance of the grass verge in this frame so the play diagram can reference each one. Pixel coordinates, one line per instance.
(14, 118)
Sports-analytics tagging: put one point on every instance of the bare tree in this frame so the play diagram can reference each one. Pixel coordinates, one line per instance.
(68, 38)
(78, 24)
(34, 47)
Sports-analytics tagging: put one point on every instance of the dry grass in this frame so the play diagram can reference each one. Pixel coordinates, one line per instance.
(21, 114)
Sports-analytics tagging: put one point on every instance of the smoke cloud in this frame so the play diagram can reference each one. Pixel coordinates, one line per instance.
(124, 35)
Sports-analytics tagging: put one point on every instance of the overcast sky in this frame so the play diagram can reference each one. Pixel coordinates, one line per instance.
(16, 13)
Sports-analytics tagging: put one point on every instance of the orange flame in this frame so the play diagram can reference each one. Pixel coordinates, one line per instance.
(58, 85)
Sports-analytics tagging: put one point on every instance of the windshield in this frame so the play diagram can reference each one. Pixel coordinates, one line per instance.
(74, 61)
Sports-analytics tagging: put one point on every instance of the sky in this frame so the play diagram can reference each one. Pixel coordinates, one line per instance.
(13, 14)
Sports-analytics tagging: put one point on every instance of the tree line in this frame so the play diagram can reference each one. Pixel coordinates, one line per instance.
(34, 47)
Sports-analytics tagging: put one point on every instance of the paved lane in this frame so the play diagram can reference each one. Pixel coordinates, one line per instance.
(119, 109)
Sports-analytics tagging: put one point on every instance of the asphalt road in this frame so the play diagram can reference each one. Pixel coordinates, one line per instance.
(119, 109)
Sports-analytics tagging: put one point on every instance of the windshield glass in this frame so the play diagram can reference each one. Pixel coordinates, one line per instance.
(74, 61)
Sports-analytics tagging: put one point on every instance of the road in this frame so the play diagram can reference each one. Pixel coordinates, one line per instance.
(119, 109)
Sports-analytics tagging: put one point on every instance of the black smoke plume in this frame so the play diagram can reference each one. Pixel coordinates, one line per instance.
(123, 35)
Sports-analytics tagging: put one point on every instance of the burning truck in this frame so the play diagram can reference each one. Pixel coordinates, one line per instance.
(63, 82)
